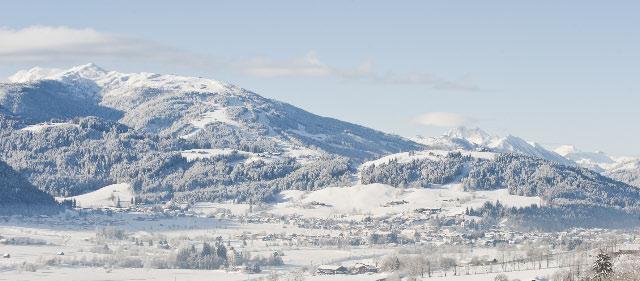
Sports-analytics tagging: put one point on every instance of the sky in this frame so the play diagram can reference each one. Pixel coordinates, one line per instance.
(554, 72)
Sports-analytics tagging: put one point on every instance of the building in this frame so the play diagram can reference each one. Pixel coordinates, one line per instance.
(332, 269)
(361, 268)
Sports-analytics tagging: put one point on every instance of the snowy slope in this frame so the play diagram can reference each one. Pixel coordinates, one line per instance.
(37, 128)
(107, 197)
(627, 170)
(433, 155)
(382, 200)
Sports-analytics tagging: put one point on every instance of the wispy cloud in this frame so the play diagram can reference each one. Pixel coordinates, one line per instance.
(51, 44)
(442, 119)
(79, 45)
(310, 65)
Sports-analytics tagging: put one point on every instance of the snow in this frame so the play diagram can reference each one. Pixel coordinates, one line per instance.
(195, 154)
(565, 150)
(598, 160)
(36, 73)
(101, 274)
(473, 135)
(105, 197)
(36, 128)
(318, 137)
(434, 155)
(116, 84)
(625, 164)
(218, 115)
(508, 143)
(373, 200)
(301, 154)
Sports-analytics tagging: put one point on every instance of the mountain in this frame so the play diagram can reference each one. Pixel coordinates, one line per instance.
(597, 161)
(557, 184)
(212, 113)
(626, 169)
(16, 190)
(462, 138)
(74, 131)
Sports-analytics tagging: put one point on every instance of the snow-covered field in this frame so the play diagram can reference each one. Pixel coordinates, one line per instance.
(36, 128)
(300, 154)
(405, 157)
(101, 274)
(375, 200)
(381, 200)
(75, 235)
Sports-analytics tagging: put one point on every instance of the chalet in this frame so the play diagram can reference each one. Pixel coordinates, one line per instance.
(332, 269)
(361, 268)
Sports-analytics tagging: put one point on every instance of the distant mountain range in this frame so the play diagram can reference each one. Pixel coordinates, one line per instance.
(626, 169)
(477, 139)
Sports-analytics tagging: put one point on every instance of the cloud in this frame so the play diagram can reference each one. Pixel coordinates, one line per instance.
(47, 43)
(38, 44)
(311, 66)
(441, 119)
(308, 65)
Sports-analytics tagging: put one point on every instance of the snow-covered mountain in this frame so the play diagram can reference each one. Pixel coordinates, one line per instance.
(598, 161)
(521, 174)
(462, 138)
(74, 131)
(626, 169)
(209, 112)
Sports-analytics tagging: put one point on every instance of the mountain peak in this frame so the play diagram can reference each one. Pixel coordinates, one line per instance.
(91, 67)
(565, 150)
(33, 74)
(89, 71)
(473, 135)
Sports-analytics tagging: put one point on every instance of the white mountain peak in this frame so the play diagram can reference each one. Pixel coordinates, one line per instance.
(116, 83)
(456, 137)
(87, 71)
(473, 135)
(33, 74)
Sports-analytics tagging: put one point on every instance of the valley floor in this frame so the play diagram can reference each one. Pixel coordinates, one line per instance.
(92, 245)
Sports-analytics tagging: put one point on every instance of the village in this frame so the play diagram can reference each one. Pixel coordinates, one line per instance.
(424, 242)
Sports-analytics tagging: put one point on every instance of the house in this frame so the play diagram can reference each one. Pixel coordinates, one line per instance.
(430, 211)
(332, 269)
(361, 268)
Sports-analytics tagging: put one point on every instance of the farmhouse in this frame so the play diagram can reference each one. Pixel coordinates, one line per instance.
(332, 269)
(361, 268)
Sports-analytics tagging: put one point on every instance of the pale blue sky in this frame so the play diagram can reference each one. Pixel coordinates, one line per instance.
(551, 72)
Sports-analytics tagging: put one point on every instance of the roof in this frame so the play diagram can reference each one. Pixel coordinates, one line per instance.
(330, 267)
